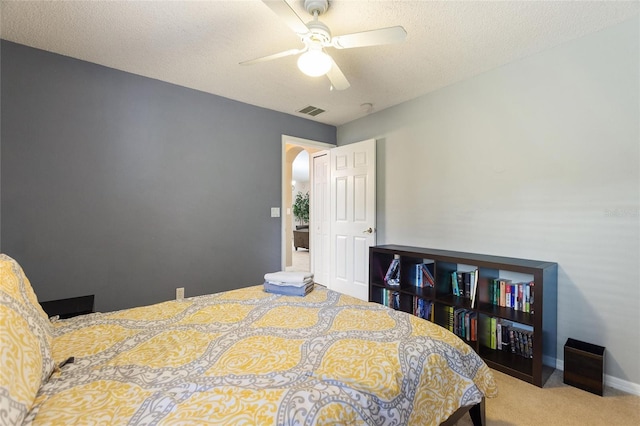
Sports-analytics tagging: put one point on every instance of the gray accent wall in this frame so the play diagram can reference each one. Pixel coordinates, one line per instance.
(127, 187)
(537, 159)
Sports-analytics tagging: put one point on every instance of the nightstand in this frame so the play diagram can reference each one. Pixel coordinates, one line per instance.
(67, 308)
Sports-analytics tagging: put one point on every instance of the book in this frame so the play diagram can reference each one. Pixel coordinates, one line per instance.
(455, 290)
(458, 321)
(493, 324)
(492, 291)
(512, 340)
(449, 310)
(467, 325)
(418, 278)
(392, 277)
(520, 302)
(485, 328)
(466, 279)
(505, 326)
(474, 288)
(461, 278)
(428, 311)
(516, 338)
(502, 291)
(395, 300)
(474, 326)
(423, 308)
(427, 272)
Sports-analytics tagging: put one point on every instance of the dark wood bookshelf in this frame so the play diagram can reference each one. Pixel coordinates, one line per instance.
(543, 321)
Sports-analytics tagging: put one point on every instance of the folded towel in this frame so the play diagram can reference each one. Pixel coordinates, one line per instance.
(288, 277)
(292, 284)
(288, 290)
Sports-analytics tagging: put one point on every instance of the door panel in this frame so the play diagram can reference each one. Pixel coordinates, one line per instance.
(341, 202)
(341, 257)
(360, 199)
(353, 216)
(361, 250)
(341, 162)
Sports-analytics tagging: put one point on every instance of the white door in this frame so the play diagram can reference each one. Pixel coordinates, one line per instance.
(353, 216)
(319, 205)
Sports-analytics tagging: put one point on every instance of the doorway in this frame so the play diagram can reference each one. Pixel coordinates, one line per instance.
(291, 149)
(300, 187)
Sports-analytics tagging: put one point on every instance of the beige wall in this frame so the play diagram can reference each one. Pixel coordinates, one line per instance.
(537, 159)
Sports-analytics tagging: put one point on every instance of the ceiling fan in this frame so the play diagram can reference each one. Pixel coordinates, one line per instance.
(316, 36)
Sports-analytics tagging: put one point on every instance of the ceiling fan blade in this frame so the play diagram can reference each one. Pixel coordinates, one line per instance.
(274, 56)
(288, 15)
(370, 38)
(337, 78)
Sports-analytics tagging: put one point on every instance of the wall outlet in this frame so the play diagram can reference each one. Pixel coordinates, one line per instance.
(179, 293)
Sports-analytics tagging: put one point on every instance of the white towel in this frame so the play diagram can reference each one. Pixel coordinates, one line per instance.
(288, 277)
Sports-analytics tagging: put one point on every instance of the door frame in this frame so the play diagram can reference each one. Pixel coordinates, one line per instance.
(285, 186)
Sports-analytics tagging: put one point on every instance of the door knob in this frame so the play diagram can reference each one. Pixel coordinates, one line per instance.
(368, 231)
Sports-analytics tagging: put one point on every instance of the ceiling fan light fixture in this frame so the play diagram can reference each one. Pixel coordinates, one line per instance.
(314, 62)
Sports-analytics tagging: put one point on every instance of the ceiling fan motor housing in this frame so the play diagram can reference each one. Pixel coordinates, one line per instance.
(319, 6)
(318, 32)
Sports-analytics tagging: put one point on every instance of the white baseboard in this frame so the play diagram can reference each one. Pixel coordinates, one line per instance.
(613, 382)
(623, 385)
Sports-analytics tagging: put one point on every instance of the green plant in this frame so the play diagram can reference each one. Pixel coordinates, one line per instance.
(301, 207)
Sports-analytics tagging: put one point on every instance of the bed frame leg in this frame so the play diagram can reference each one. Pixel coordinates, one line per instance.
(477, 413)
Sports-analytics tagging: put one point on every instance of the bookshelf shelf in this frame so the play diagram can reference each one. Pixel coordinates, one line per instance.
(517, 340)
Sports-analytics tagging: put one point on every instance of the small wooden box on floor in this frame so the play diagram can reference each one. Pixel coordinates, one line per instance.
(584, 366)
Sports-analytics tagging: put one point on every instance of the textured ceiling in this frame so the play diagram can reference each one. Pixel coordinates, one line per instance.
(198, 44)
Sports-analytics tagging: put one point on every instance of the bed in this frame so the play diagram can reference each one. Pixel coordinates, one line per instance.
(237, 357)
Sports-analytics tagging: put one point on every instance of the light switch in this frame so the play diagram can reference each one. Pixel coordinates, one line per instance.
(275, 211)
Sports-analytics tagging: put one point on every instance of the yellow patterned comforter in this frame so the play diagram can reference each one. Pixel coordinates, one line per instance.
(255, 358)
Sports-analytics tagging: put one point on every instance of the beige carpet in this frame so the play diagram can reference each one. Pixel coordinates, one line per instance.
(300, 261)
(522, 404)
